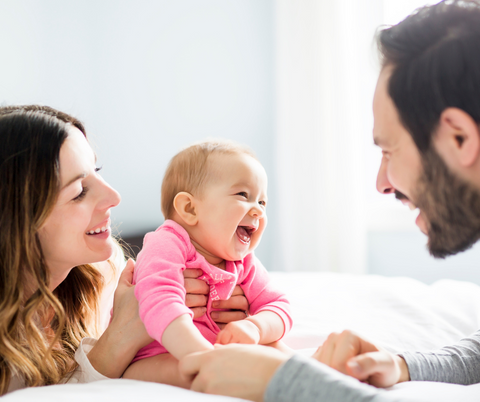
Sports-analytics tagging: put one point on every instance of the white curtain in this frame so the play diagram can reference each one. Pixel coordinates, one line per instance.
(326, 67)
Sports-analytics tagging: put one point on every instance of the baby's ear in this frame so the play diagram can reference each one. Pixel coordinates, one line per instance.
(184, 204)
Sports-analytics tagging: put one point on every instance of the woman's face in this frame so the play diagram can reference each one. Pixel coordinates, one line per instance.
(78, 229)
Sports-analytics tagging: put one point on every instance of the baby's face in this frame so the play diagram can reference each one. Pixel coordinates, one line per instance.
(232, 211)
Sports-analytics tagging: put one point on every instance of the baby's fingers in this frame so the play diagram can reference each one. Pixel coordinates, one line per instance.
(224, 337)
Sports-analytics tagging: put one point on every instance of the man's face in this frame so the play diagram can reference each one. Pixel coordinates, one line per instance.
(449, 206)
(401, 165)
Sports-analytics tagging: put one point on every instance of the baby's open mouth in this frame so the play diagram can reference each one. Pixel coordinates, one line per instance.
(244, 233)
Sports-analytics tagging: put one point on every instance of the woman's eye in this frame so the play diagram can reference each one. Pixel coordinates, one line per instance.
(242, 194)
(81, 195)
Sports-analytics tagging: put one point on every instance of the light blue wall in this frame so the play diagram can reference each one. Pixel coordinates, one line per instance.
(147, 78)
(404, 253)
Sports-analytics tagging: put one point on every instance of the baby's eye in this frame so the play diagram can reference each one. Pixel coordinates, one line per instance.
(263, 203)
(242, 194)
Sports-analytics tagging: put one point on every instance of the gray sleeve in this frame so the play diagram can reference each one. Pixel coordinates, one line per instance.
(458, 364)
(302, 379)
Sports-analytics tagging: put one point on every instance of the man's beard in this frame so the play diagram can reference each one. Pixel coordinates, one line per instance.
(450, 207)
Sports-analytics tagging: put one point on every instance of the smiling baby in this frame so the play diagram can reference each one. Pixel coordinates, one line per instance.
(214, 199)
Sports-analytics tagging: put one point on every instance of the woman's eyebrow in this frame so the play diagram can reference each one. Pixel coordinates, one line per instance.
(80, 176)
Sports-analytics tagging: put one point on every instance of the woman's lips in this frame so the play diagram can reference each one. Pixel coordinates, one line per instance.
(102, 227)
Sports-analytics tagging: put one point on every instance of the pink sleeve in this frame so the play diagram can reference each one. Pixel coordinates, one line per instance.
(261, 295)
(159, 281)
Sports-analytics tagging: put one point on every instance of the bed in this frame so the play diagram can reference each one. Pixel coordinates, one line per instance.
(397, 313)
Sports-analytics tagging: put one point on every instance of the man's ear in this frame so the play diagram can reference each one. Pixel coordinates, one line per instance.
(184, 204)
(458, 138)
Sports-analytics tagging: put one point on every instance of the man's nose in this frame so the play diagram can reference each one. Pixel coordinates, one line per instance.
(383, 185)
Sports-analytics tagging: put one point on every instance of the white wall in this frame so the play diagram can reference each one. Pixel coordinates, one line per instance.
(147, 78)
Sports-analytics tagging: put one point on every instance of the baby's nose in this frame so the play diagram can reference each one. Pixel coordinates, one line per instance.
(257, 212)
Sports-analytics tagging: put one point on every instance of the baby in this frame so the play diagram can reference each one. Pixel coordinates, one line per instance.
(214, 199)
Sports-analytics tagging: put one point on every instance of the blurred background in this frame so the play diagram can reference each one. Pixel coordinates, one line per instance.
(292, 79)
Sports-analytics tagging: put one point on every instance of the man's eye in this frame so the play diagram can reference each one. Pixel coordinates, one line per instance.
(242, 194)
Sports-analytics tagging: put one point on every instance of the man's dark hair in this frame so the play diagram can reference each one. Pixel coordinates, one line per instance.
(435, 55)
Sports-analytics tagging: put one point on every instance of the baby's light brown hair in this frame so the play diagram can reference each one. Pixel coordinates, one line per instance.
(190, 171)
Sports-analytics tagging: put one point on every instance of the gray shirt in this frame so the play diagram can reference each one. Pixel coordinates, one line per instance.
(303, 379)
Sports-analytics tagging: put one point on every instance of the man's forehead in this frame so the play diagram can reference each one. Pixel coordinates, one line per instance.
(384, 111)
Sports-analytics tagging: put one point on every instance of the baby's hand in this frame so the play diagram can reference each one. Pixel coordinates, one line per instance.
(243, 331)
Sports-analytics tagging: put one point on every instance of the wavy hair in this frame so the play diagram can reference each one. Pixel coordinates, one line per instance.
(40, 330)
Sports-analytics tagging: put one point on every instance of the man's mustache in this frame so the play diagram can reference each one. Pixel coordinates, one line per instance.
(400, 196)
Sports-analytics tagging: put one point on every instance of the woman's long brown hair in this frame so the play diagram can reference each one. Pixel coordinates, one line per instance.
(40, 330)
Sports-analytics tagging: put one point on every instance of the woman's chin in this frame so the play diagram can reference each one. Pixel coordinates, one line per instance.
(99, 254)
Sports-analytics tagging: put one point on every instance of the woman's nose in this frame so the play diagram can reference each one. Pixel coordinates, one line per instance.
(110, 197)
(383, 185)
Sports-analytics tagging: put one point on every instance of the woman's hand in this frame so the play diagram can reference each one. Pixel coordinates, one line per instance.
(241, 371)
(352, 355)
(126, 333)
(197, 297)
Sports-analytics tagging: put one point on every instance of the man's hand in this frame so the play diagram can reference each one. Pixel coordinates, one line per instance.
(352, 355)
(244, 331)
(241, 371)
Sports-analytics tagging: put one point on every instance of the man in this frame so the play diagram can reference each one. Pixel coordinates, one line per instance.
(427, 115)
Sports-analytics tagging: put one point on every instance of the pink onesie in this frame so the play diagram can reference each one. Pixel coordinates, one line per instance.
(161, 293)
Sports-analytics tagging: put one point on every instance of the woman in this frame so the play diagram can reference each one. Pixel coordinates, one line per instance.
(59, 263)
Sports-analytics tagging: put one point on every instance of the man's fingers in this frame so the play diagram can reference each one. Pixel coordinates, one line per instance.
(234, 303)
(328, 349)
(348, 344)
(192, 273)
(227, 316)
(192, 300)
(196, 286)
(364, 366)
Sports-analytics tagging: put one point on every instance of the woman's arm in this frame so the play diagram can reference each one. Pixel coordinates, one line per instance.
(125, 335)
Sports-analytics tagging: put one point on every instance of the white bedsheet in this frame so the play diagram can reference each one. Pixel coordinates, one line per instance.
(399, 313)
